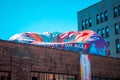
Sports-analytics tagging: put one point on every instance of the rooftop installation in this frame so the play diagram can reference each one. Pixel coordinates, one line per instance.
(83, 41)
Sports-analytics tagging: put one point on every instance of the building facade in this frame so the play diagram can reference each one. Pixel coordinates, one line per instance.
(29, 62)
(103, 18)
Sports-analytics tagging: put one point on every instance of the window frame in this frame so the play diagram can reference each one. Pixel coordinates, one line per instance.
(101, 17)
(83, 24)
(86, 23)
(118, 10)
(107, 31)
(115, 11)
(106, 15)
(117, 45)
(90, 22)
(34, 78)
(117, 27)
(98, 32)
(108, 42)
(98, 19)
(103, 32)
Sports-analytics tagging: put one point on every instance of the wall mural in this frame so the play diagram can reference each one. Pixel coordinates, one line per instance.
(82, 41)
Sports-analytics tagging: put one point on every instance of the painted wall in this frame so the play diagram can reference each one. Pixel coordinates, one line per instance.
(85, 41)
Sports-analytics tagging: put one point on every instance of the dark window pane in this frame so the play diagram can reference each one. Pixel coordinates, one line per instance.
(119, 10)
(86, 23)
(108, 48)
(106, 15)
(117, 29)
(102, 17)
(107, 31)
(34, 78)
(115, 11)
(3, 78)
(83, 25)
(103, 32)
(117, 46)
(90, 22)
(98, 32)
(97, 18)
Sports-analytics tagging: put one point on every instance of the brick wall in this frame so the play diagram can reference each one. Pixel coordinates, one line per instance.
(22, 59)
(105, 66)
(53, 61)
(5, 60)
(15, 59)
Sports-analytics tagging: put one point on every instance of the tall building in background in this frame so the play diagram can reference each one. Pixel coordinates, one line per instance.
(104, 18)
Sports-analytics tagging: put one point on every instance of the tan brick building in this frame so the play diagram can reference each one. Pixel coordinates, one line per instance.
(30, 62)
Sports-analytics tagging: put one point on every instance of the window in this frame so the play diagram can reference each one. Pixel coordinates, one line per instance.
(83, 25)
(119, 10)
(108, 48)
(115, 11)
(3, 77)
(117, 46)
(117, 28)
(34, 78)
(98, 32)
(86, 23)
(107, 31)
(102, 32)
(108, 43)
(102, 17)
(106, 15)
(90, 22)
(61, 77)
(97, 18)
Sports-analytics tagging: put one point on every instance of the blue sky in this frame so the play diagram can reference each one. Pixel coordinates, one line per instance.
(17, 16)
